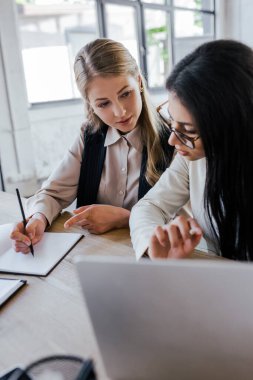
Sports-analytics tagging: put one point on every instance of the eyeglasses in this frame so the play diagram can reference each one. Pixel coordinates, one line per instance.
(182, 137)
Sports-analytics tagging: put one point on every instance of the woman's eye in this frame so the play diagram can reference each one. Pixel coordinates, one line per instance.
(191, 133)
(126, 94)
(103, 105)
(186, 131)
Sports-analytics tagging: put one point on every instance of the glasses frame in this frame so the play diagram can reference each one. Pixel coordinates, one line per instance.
(180, 136)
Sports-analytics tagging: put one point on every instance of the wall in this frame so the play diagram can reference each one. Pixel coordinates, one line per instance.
(53, 127)
(237, 20)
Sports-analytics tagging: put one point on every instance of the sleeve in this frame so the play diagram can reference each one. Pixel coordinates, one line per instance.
(160, 204)
(60, 189)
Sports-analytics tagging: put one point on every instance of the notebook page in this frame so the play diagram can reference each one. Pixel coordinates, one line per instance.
(47, 253)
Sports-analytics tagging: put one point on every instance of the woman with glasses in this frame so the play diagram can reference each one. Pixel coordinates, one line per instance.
(120, 153)
(209, 113)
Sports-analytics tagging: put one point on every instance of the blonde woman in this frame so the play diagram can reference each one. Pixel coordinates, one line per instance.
(120, 153)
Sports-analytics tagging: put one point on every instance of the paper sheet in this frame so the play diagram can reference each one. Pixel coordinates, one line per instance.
(47, 253)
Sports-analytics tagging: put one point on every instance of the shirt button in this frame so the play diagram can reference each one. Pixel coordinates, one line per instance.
(121, 192)
(123, 169)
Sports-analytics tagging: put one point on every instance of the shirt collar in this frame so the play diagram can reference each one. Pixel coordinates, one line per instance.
(133, 137)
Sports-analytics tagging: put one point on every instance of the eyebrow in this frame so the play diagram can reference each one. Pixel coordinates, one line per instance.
(123, 88)
(181, 122)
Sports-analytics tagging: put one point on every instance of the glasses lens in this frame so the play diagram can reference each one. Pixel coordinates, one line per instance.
(164, 113)
(184, 139)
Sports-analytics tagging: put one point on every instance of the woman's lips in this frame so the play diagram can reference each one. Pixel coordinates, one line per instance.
(182, 152)
(125, 121)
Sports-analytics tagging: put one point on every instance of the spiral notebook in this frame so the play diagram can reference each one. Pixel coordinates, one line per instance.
(8, 287)
(47, 253)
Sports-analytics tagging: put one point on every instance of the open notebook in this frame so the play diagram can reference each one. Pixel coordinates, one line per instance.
(47, 253)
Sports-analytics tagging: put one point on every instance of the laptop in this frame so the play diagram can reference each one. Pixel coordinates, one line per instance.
(185, 319)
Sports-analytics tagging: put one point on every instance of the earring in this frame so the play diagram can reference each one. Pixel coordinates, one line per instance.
(141, 89)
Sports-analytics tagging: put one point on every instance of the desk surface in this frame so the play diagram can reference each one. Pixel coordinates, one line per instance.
(48, 316)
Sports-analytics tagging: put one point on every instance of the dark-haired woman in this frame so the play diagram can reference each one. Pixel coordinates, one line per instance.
(210, 114)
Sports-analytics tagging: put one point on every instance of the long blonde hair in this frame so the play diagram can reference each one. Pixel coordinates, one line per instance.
(103, 57)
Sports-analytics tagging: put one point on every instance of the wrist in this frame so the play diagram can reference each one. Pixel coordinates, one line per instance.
(124, 219)
(41, 217)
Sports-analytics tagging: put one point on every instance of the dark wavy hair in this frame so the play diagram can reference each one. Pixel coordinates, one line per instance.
(215, 84)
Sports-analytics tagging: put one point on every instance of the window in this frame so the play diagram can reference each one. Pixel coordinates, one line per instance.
(195, 4)
(194, 24)
(51, 34)
(122, 26)
(157, 32)
(155, 1)
(159, 52)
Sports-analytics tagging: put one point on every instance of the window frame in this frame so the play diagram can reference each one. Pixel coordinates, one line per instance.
(139, 7)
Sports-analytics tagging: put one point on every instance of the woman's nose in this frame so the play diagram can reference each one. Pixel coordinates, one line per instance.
(173, 140)
(119, 110)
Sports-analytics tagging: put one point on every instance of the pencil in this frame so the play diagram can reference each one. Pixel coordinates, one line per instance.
(23, 216)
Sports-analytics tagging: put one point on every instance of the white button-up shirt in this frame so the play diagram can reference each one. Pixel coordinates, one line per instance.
(182, 182)
(119, 181)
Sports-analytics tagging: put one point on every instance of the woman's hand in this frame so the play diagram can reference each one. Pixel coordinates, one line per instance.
(23, 237)
(176, 240)
(98, 219)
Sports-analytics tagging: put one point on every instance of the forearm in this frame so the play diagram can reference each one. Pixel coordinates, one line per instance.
(145, 217)
(60, 189)
(45, 205)
(159, 205)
